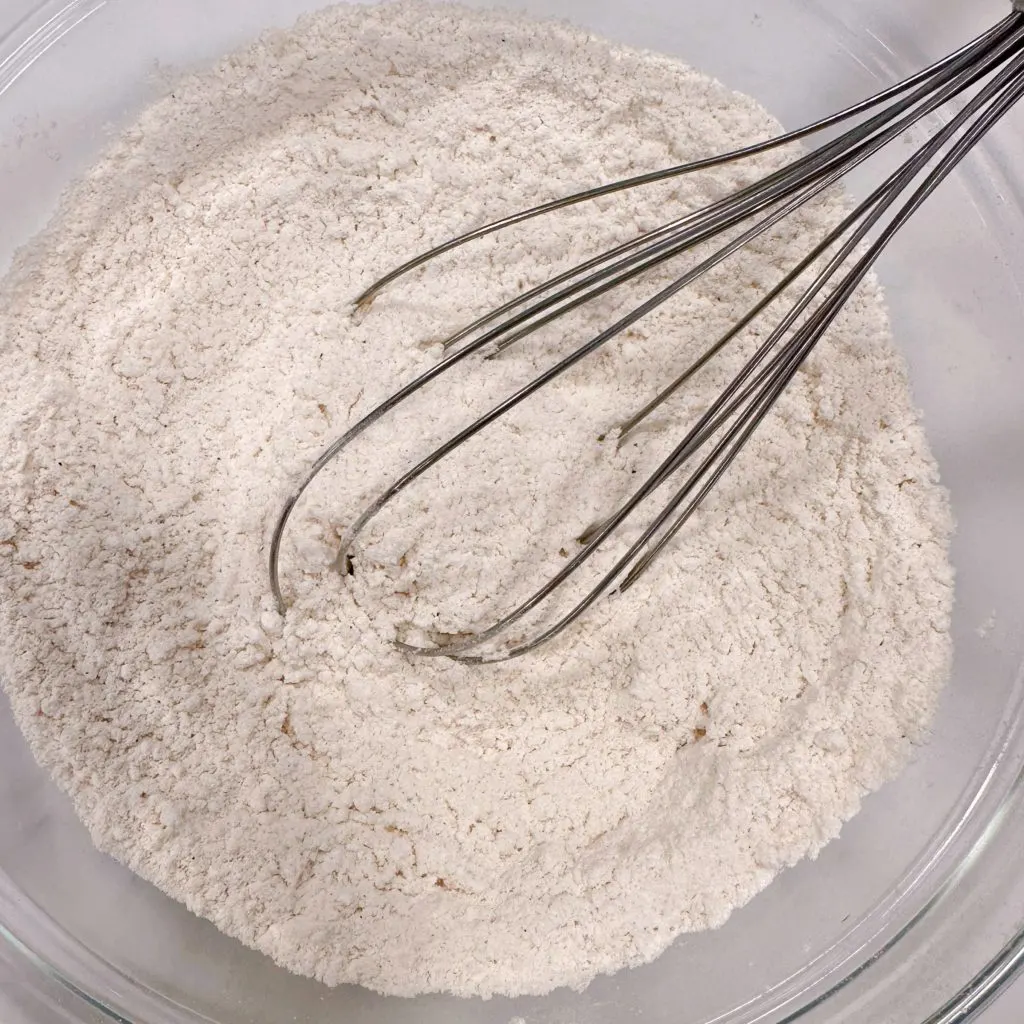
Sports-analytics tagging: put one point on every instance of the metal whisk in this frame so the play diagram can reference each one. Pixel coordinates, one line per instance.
(985, 78)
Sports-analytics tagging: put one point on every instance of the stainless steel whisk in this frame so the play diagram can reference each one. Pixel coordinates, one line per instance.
(986, 77)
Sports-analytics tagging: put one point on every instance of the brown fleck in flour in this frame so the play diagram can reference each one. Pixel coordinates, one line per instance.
(179, 344)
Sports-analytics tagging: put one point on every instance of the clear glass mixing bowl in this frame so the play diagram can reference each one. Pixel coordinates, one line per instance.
(917, 911)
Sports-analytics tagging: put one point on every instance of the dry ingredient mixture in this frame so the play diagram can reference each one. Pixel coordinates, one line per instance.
(180, 343)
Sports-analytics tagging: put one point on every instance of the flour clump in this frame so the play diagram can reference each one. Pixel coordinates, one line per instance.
(179, 344)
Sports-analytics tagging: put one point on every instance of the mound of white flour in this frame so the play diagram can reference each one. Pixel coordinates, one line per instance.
(180, 344)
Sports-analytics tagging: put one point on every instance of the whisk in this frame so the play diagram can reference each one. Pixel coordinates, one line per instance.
(973, 88)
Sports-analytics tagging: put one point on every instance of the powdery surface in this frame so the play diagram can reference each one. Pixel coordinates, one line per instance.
(180, 344)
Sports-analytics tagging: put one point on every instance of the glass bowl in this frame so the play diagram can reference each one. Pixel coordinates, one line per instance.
(916, 913)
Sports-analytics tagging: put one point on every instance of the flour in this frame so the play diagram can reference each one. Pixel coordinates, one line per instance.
(180, 344)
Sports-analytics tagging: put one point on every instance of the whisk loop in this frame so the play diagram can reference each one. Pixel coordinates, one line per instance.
(984, 77)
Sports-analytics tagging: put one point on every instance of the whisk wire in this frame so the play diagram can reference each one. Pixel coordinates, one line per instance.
(731, 419)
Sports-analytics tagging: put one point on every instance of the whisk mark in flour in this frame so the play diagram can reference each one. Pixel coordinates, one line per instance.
(176, 342)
